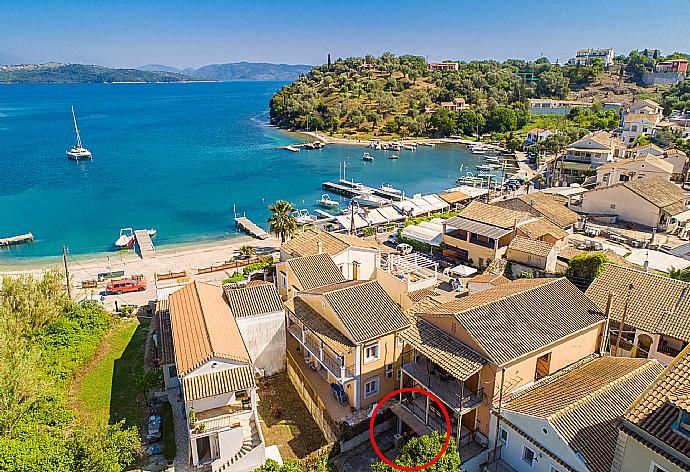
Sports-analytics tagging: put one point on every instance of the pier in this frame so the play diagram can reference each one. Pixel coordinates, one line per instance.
(250, 227)
(21, 239)
(353, 189)
(144, 243)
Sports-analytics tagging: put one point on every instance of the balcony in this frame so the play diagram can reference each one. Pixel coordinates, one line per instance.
(221, 418)
(448, 389)
(320, 352)
(670, 346)
(412, 410)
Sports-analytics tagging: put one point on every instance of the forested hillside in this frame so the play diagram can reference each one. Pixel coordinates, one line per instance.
(81, 73)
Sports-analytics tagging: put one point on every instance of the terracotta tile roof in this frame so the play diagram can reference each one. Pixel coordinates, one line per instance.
(363, 307)
(515, 319)
(584, 404)
(492, 215)
(552, 207)
(530, 246)
(320, 326)
(604, 138)
(658, 304)
(540, 227)
(648, 158)
(637, 117)
(421, 294)
(455, 197)
(443, 349)
(655, 411)
(254, 299)
(315, 271)
(306, 244)
(488, 278)
(223, 381)
(203, 327)
(660, 192)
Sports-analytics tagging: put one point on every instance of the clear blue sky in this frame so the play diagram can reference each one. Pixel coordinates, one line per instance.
(197, 32)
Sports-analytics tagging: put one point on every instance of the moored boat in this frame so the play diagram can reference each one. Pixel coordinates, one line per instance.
(367, 157)
(327, 202)
(126, 238)
(393, 156)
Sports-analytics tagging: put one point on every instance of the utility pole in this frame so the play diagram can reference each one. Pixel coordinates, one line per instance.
(605, 334)
(500, 405)
(64, 260)
(352, 218)
(622, 322)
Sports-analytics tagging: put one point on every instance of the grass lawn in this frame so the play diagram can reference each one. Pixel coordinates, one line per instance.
(107, 390)
(285, 419)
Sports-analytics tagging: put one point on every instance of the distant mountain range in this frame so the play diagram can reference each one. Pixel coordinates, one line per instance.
(81, 73)
(237, 71)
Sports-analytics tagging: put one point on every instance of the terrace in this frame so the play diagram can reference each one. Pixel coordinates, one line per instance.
(416, 270)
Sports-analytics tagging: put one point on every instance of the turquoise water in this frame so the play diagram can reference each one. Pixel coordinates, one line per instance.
(175, 157)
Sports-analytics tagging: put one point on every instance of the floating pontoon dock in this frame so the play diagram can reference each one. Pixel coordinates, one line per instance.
(21, 239)
(144, 243)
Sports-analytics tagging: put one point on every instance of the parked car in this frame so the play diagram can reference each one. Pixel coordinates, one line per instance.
(125, 286)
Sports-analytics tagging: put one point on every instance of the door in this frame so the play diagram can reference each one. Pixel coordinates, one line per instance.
(543, 364)
(203, 450)
(644, 343)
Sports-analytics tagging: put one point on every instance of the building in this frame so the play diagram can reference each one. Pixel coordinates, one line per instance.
(456, 105)
(586, 154)
(529, 255)
(657, 320)
(482, 232)
(633, 168)
(548, 106)
(456, 199)
(646, 107)
(569, 421)
(666, 72)
(553, 207)
(350, 253)
(638, 124)
(650, 202)
(586, 57)
(679, 160)
(216, 381)
(343, 350)
(260, 316)
(673, 65)
(306, 273)
(536, 135)
(474, 350)
(653, 434)
(443, 66)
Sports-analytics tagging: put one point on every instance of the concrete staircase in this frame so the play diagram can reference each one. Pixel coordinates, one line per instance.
(250, 441)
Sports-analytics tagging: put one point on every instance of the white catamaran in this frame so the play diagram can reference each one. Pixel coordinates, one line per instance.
(78, 152)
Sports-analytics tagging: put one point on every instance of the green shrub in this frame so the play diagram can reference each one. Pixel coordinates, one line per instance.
(168, 425)
(234, 278)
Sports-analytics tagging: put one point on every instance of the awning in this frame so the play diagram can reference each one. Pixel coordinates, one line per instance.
(684, 216)
(423, 235)
(476, 227)
(462, 271)
(391, 213)
(579, 166)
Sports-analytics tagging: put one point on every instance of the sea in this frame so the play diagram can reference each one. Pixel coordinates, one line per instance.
(182, 158)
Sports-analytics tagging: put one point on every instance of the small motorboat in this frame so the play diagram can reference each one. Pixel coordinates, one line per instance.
(478, 151)
(367, 157)
(386, 187)
(409, 147)
(393, 156)
(368, 199)
(327, 202)
(303, 217)
(488, 167)
(126, 238)
(151, 232)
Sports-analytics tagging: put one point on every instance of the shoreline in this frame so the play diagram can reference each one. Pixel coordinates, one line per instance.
(170, 257)
(326, 139)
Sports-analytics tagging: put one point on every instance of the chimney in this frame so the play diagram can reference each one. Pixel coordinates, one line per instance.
(319, 246)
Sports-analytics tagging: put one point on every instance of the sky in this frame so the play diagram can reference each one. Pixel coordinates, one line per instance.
(192, 33)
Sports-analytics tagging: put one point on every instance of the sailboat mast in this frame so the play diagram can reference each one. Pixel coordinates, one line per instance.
(76, 128)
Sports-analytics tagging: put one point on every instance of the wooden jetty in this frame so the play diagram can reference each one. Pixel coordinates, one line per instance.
(250, 227)
(144, 243)
(21, 239)
(353, 189)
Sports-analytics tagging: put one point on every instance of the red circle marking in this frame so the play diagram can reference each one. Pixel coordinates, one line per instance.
(376, 411)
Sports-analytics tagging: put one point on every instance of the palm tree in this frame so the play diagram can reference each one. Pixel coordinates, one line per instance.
(247, 251)
(282, 222)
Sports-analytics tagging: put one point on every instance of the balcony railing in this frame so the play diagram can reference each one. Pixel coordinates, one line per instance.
(319, 351)
(218, 419)
(669, 350)
(450, 391)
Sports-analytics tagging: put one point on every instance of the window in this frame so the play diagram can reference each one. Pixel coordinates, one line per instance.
(355, 270)
(371, 387)
(528, 455)
(503, 436)
(371, 352)
(654, 467)
(453, 328)
(682, 424)
(389, 371)
(613, 206)
(283, 280)
(398, 374)
(400, 341)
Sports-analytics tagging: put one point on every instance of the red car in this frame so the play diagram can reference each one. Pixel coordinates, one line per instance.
(125, 285)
